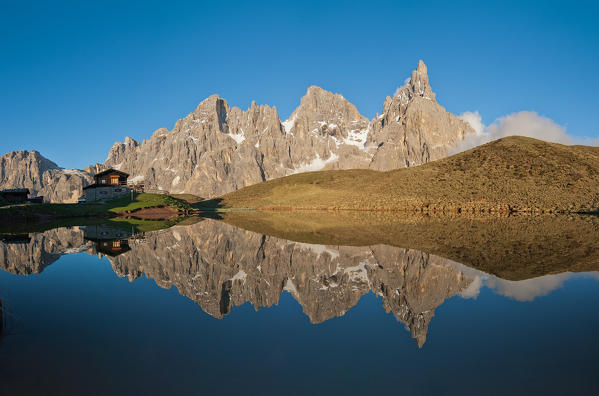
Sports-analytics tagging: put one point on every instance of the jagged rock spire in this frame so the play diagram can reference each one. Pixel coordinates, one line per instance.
(419, 84)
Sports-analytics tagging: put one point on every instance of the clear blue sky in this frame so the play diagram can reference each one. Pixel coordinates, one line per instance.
(77, 76)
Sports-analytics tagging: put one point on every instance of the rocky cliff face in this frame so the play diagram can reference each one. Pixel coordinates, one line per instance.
(29, 169)
(413, 128)
(217, 149)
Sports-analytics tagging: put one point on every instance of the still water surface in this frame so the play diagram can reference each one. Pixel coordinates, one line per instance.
(210, 308)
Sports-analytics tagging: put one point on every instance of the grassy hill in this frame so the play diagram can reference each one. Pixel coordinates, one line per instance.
(511, 174)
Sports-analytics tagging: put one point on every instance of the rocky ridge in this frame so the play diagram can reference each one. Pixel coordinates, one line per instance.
(217, 149)
(29, 169)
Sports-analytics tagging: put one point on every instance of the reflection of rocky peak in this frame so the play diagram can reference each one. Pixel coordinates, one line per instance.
(40, 250)
(220, 266)
(414, 283)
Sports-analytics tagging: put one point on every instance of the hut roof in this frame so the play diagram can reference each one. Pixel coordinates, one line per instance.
(16, 190)
(110, 171)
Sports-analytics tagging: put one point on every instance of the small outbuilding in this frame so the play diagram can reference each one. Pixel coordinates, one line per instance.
(15, 195)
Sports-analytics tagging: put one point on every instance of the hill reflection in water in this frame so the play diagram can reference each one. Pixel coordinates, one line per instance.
(220, 266)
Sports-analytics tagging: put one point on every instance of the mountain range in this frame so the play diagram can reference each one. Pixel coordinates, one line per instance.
(217, 149)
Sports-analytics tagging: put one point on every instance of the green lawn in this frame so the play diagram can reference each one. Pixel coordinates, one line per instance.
(92, 209)
(146, 200)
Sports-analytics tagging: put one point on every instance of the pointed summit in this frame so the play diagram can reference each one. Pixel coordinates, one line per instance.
(419, 82)
(421, 69)
(327, 104)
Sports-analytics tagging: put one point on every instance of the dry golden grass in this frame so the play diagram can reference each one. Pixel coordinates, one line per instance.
(510, 174)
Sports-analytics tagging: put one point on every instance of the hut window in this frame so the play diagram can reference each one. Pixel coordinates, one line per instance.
(114, 180)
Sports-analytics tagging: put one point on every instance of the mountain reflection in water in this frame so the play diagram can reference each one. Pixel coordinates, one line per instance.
(220, 266)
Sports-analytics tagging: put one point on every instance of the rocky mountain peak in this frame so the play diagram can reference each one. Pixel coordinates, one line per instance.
(31, 159)
(119, 149)
(216, 149)
(419, 84)
(210, 104)
(322, 110)
(131, 142)
(316, 96)
(414, 115)
(31, 170)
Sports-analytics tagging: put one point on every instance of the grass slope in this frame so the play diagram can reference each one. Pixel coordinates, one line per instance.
(145, 200)
(511, 174)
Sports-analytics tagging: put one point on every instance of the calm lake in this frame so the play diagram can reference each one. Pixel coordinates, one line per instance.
(212, 308)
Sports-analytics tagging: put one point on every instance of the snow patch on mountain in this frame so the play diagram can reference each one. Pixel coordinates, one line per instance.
(288, 124)
(316, 164)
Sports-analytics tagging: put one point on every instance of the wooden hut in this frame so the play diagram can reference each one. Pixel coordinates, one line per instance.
(108, 184)
(15, 195)
(111, 177)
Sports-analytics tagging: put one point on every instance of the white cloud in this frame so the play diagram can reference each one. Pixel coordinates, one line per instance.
(405, 82)
(523, 123)
(529, 289)
(475, 121)
(473, 290)
(523, 290)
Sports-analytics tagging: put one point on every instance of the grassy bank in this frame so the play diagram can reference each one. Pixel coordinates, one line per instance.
(126, 224)
(507, 175)
(104, 209)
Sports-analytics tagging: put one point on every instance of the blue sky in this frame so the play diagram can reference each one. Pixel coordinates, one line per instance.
(77, 76)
